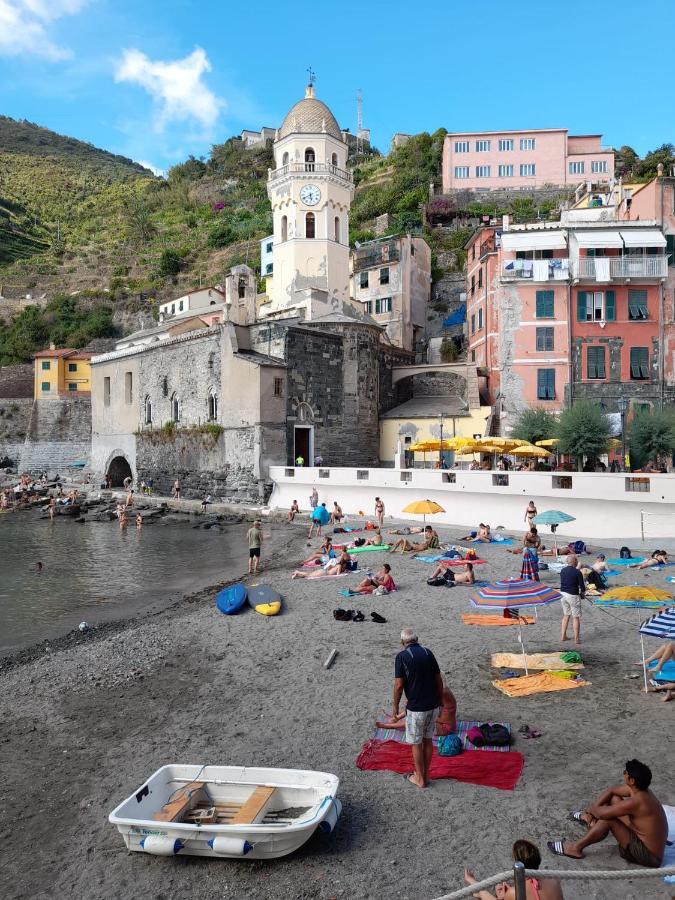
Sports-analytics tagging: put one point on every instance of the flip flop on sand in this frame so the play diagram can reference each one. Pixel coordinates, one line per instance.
(358, 616)
(576, 817)
(558, 847)
(376, 617)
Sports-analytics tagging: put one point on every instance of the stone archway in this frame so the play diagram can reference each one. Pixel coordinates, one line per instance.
(118, 469)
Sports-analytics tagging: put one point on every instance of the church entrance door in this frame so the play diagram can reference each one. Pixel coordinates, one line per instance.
(303, 443)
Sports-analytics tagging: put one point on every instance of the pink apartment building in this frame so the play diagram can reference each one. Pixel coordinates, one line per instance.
(523, 159)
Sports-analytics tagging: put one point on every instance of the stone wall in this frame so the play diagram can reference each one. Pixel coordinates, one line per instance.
(58, 435)
(391, 394)
(16, 381)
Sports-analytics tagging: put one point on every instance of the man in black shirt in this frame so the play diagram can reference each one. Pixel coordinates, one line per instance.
(416, 672)
(573, 590)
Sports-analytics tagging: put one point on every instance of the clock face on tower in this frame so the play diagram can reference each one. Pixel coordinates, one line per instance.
(310, 195)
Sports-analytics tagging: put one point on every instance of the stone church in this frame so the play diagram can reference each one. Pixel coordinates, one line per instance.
(216, 396)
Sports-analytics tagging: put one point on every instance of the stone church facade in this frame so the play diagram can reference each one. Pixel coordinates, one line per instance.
(216, 399)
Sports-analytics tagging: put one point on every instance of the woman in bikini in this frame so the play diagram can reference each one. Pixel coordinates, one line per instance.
(530, 513)
(339, 568)
(658, 558)
(535, 888)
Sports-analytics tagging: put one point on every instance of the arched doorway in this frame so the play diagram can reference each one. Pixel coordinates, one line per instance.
(118, 470)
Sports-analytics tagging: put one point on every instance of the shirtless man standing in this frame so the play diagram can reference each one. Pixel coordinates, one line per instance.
(631, 813)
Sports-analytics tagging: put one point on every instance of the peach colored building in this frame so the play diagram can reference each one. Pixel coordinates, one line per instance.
(523, 159)
(560, 311)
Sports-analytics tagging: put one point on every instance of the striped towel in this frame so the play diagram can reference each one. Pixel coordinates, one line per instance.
(463, 728)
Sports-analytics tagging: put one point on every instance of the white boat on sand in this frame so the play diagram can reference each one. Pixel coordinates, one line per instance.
(227, 811)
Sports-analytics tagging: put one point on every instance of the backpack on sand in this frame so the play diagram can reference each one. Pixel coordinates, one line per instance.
(625, 553)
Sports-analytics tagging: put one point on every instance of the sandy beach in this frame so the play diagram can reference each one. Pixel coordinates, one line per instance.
(86, 722)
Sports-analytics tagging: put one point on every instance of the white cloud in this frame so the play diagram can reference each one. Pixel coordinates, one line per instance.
(24, 27)
(177, 88)
(154, 169)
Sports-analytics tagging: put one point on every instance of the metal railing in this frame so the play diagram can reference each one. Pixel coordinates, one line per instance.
(623, 266)
(557, 270)
(311, 168)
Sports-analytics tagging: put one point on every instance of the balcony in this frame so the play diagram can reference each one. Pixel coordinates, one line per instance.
(536, 270)
(309, 168)
(611, 268)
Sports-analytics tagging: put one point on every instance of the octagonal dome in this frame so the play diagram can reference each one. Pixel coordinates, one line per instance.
(310, 116)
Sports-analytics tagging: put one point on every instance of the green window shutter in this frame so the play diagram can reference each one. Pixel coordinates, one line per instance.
(610, 304)
(581, 306)
(670, 249)
(545, 306)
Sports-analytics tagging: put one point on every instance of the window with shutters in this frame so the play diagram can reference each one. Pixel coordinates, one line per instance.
(639, 363)
(544, 339)
(637, 305)
(595, 362)
(369, 307)
(384, 275)
(473, 283)
(106, 390)
(480, 277)
(545, 384)
(670, 247)
(473, 324)
(383, 305)
(363, 280)
(46, 365)
(596, 306)
(480, 318)
(545, 307)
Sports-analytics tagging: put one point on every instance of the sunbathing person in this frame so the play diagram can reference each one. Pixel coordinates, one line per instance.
(531, 541)
(481, 536)
(663, 654)
(535, 888)
(658, 557)
(631, 813)
(337, 567)
(326, 549)
(446, 723)
(430, 542)
(668, 688)
(375, 540)
(371, 582)
(444, 574)
(412, 529)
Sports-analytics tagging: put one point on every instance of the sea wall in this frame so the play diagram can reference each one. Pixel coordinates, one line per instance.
(58, 435)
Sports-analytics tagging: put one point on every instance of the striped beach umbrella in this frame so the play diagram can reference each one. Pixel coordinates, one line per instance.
(662, 626)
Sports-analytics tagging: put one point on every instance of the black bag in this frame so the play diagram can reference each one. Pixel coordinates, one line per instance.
(625, 553)
(494, 736)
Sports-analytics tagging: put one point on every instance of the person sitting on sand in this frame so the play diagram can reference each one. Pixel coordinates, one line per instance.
(658, 558)
(382, 579)
(375, 540)
(663, 654)
(206, 502)
(535, 888)
(633, 815)
(293, 511)
(449, 576)
(339, 568)
(337, 515)
(482, 535)
(531, 541)
(326, 549)
(668, 688)
(430, 542)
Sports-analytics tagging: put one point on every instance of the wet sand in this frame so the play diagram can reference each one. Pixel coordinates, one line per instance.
(87, 722)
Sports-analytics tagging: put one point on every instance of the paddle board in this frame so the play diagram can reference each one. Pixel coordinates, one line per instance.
(369, 549)
(231, 599)
(264, 600)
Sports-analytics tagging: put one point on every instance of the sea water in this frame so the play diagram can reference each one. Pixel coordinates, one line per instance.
(95, 572)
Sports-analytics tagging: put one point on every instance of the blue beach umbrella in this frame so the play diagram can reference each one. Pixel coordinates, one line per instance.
(552, 518)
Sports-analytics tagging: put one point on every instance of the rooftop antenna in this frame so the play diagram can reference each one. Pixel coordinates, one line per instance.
(359, 121)
(310, 84)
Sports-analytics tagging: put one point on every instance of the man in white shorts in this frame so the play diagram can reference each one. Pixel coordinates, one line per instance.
(573, 590)
(417, 673)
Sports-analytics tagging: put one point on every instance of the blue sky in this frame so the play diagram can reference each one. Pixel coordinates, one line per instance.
(158, 81)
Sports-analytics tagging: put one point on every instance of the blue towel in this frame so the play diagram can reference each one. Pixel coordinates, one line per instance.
(670, 578)
(625, 562)
(667, 673)
(505, 541)
(430, 558)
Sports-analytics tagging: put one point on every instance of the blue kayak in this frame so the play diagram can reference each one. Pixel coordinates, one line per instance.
(231, 599)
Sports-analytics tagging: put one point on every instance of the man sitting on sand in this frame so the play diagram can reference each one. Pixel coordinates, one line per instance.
(375, 540)
(631, 813)
(430, 542)
(535, 888)
(531, 541)
(445, 573)
(658, 558)
(382, 579)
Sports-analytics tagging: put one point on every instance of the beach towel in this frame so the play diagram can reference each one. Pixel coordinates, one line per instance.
(496, 770)
(462, 562)
(368, 590)
(610, 573)
(542, 683)
(462, 731)
(529, 570)
(534, 661)
(479, 619)
(501, 540)
(319, 577)
(625, 562)
(368, 549)
(629, 604)
(667, 673)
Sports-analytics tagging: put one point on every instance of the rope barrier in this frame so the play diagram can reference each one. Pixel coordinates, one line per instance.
(600, 875)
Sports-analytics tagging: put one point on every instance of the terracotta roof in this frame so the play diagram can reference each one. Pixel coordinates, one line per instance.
(63, 353)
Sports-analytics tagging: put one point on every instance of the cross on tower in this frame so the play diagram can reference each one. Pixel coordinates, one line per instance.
(312, 75)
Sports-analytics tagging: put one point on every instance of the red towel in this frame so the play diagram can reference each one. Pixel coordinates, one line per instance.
(497, 770)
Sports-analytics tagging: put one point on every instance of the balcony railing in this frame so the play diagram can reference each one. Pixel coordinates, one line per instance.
(538, 270)
(310, 168)
(620, 267)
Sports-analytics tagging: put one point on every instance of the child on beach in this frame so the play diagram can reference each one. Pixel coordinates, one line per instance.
(254, 537)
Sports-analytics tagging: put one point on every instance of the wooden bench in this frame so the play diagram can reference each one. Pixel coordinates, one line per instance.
(182, 801)
(251, 809)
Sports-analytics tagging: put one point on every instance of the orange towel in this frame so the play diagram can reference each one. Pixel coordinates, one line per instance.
(542, 683)
(534, 661)
(478, 619)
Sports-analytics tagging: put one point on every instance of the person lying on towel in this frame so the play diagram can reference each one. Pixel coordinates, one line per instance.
(382, 579)
(430, 542)
(632, 814)
(446, 723)
(481, 536)
(444, 575)
(340, 566)
(658, 558)
(408, 529)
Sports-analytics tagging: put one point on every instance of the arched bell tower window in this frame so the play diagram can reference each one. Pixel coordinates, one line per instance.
(213, 406)
(337, 229)
(334, 159)
(310, 225)
(284, 159)
(284, 228)
(175, 408)
(310, 159)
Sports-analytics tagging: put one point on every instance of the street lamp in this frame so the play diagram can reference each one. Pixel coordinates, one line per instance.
(623, 406)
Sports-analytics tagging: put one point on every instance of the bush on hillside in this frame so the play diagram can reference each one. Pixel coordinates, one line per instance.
(170, 263)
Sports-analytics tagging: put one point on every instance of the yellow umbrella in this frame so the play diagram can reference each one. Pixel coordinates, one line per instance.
(517, 442)
(637, 592)
(532, 452)
(490, 448)
(549, 442)
(423, 508)
(421, 447)
(499, 441)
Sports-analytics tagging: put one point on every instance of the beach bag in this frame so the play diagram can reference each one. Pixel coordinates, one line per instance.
(471, 554)
(352, 565)
(625, 553)
(495, 735)
(579, 547)
(379, 591)
(359, 542)
(449, 745)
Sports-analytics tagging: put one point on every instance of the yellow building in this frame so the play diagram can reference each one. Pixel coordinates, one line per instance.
(62, 373)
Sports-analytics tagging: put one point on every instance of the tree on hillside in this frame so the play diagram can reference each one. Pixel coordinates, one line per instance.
(647, 166)
(583, 430)
(652, 437)
(535, 424)
(170, 263)
(22, 336)
(624, 161)
(137, 214)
